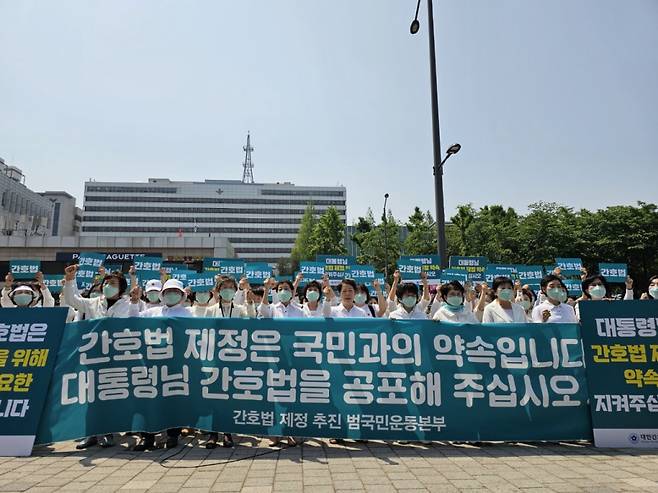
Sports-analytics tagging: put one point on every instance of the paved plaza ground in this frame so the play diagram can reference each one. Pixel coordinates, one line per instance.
(318, 467)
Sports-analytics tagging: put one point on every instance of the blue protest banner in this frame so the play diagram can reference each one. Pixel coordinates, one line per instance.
(574, 287)
(410, 269)
(430, 265)
(337, 267)
(569, 266)
(257, 272)
(147, 264)
(225, 266)
(24, 269)
(527, 382)
(204, 281)
(619, 338)
(363, 274)
(53, 282)
(29, 344)
(496, 270)
(529, 274)
(312, 271)
(88, 265)
(183, 275)
(613, 272)
(448, 275)
(168, 267)
(474, 266)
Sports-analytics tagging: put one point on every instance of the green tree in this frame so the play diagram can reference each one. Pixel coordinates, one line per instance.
(462, 220)
(422, 234)
(382, 239)
(328, 234)
(303, 242)
(363, 225)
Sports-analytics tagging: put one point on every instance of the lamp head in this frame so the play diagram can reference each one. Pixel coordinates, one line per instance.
(454, 149)
(415, 27)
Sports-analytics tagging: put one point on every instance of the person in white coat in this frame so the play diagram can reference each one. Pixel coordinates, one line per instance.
(26, 294)
(453, 309)
(502, 309)
(113, 303)
(173, 298)
(284, 308)
(409, 307)
(554, 308)
(227, 306)
(346, 308)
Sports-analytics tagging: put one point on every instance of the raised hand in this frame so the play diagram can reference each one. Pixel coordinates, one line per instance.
(70, 271)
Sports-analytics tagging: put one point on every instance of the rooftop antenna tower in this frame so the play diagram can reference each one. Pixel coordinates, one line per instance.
(248, 166)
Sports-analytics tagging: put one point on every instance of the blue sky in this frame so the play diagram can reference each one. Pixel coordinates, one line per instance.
(552, 101)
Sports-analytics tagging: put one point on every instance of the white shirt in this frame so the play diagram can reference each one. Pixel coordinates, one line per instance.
(339, 311)
(168, 311)
(308, 313)
(464, 316)
(47, 302)
(98, 307)
(561, 313)
(229, 310)
(496, 314)
(279, 310)
(417, 313)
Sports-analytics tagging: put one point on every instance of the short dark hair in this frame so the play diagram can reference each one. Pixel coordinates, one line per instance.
(445, 288)
(652, 278)
(548, 278)
(349, 282)
(501, 280)
(363, 289)
(284, 282)
(258, 291)
(407, 287)
(312, 284)
(529, 293)
(589, 280)
(123, 284)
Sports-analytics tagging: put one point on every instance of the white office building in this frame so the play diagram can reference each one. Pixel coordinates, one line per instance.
(260, 220)
(23, 212)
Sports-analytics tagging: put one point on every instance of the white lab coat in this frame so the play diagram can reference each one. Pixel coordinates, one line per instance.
(92, 308)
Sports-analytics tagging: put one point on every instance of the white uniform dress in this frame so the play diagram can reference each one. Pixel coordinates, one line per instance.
(496, 314)
(98, 307)
(279, 310)
(561, 313)
(230, 310)
(339, 311)
(167, 311)
(417, 313)
(463, 316)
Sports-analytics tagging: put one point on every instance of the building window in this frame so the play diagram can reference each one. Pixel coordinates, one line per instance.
(56, 219)
(309, 193)
(211, 200)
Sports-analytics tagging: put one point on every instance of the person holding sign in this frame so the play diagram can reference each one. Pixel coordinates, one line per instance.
(26, 294)
(554, 308)
(227, 307)
(283, 308)
(346, 307)
(393, 293)
(502, 309)
(361, 300)
(113, 301)
(311, 296)
(453, 308)
(410, 308)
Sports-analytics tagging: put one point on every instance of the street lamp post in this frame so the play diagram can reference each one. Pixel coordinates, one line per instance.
(436, 134)
(385, 240)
